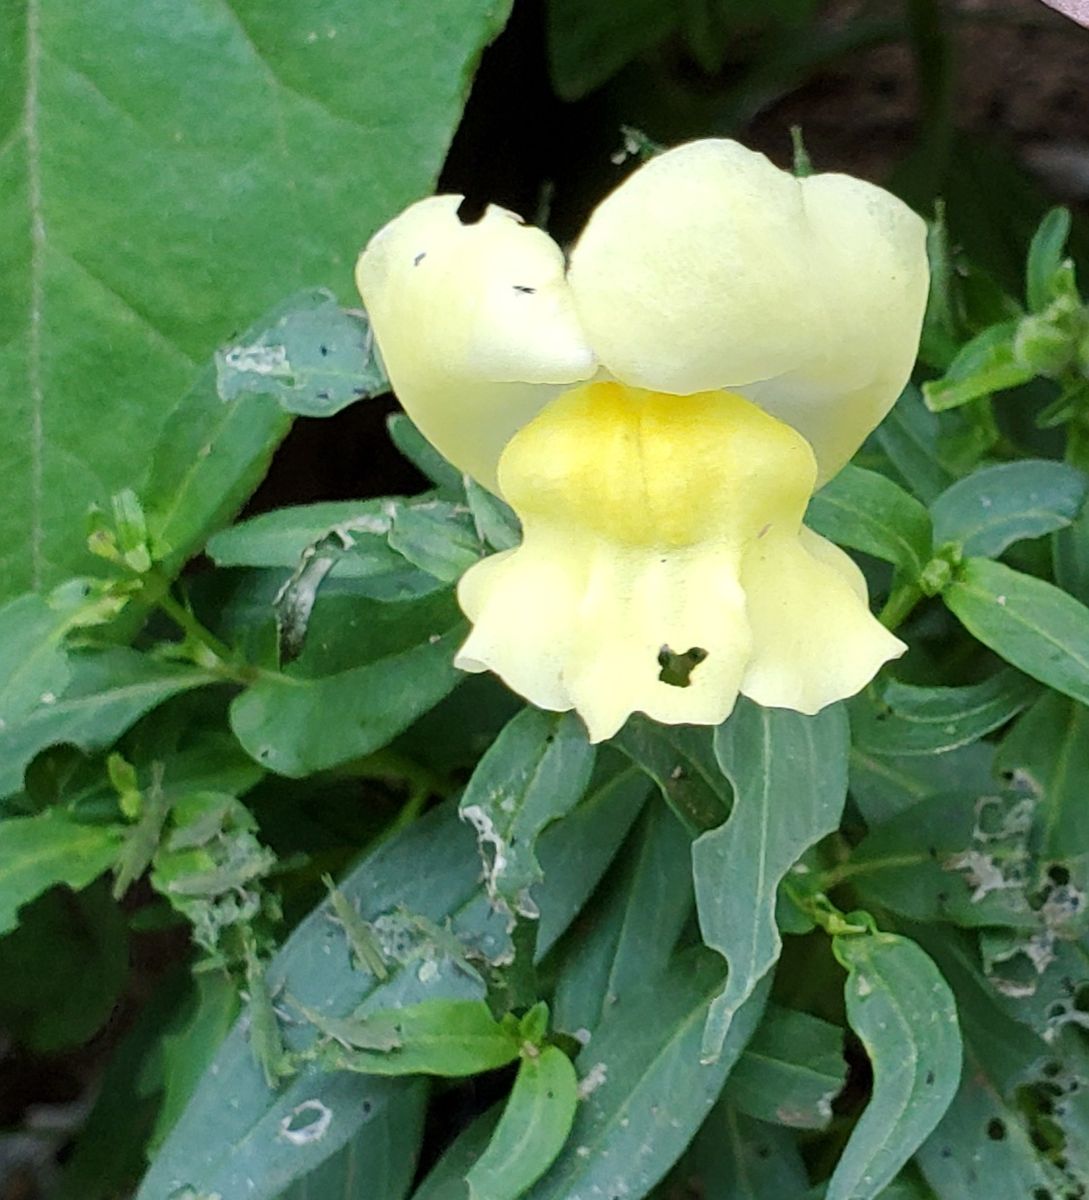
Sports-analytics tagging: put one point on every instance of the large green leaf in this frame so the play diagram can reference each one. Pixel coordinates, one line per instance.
(1029, 622)
(33, 661)
(40, 851)
(166, 173)
(992, 508)
(789, 775)
(534, 773)
(903, 1013)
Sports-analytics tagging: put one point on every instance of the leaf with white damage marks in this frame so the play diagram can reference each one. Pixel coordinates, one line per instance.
(905, 1016)
(535, 772)
(789, 776)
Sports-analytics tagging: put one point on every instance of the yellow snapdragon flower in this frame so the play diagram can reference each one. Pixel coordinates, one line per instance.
(658, 414)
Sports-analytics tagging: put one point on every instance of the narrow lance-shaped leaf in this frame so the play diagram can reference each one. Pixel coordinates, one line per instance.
(638, 914)
(534, 773)
(906, 1019)
(911, 438)
(905, 719)
(986, 364)
(1027, 621)
(994, 507)
(532, 1129)
(789, 775)
(681, 761)
(1045, 257)
(791, 1071)
(734, 1157)
(645, 1090)
(296, 726)
(866, 511)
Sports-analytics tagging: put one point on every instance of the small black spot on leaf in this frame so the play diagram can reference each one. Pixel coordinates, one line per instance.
(526, 291)
(929, 1078)
(419, 258)
(996, 1129)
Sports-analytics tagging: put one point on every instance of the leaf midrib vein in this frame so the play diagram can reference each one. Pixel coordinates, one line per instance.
(37, 247)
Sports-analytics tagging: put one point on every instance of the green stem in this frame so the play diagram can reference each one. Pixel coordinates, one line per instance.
(221, 657)
(900, 604)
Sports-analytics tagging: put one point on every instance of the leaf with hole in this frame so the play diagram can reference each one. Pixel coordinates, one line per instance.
(229, 1139)
(534, 773)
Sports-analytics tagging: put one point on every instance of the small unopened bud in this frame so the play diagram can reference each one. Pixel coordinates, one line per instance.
(1043, 347)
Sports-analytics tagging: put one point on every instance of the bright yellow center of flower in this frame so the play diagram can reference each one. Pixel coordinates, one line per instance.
(644, 469)
(664, 566)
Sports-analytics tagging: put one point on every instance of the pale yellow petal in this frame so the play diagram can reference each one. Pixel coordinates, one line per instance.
(638, 510)
(814, 638)
(711, 268)
(475, 324)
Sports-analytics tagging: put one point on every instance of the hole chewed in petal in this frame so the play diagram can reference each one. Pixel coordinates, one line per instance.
(652, 522)
(677, 668)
